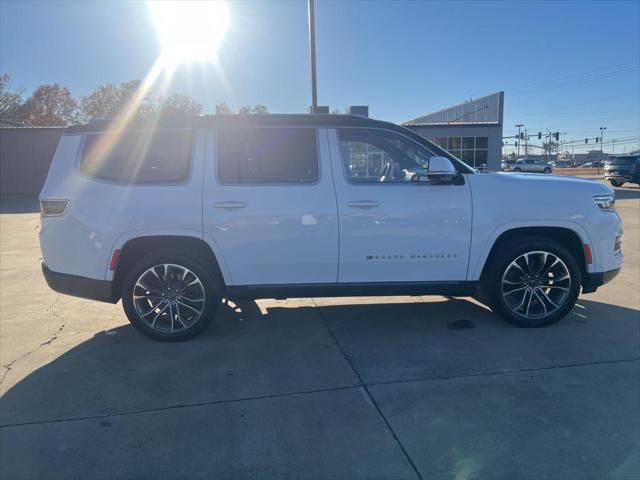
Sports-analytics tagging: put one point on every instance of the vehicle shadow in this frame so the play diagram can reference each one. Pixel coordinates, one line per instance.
(251, 351)
(19, 204)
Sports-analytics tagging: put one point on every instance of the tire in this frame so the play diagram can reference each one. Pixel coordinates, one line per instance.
(517, 170)
(547, 171)
(547, 298)
(172, 280)
(616, 183)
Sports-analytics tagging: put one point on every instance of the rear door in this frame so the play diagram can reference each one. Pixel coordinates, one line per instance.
(392, 227)
(269, 205)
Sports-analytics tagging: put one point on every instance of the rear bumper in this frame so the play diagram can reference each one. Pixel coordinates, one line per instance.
(100, 290)
(595, 280)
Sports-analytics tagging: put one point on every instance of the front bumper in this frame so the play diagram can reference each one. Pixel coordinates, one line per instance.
(100, 290)
(595, 280)
(618, 176)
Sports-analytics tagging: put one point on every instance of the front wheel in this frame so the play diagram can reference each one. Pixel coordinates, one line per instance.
(517, 170)
(547, 171)
(169, 297)
(616, 183)
(534, 283)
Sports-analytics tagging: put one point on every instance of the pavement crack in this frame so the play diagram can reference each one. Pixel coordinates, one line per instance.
(51, 310)
(365, 388)
(505, 372)
(179, 406)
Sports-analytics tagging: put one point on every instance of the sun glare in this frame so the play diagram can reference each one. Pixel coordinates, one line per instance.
(189, 31)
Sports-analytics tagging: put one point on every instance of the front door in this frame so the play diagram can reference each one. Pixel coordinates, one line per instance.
(269, 205)
(395, 225)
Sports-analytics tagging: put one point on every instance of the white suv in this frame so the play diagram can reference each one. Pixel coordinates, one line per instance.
(173, 217)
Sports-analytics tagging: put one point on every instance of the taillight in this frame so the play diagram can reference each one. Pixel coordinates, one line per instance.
(53, 207)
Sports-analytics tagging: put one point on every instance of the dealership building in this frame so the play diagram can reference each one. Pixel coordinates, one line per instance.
(472, 130)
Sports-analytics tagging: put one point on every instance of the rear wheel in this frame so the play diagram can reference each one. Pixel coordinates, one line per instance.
(547, 171)
(169, 297)
(616, 183)
(517, 169)
(535, 283)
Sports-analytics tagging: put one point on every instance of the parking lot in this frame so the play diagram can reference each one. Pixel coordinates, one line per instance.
(390, 387)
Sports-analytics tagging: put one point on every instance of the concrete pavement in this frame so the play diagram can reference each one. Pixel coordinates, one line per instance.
(390, 387)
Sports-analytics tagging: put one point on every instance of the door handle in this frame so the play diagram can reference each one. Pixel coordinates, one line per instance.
(364, 204)
(230, 205)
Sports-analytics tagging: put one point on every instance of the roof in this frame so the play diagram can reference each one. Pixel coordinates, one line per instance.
(14, 127)
(481, 111)
(265, 120)
(230, 120)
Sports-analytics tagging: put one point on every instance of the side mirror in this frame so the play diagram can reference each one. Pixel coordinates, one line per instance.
(441, 170)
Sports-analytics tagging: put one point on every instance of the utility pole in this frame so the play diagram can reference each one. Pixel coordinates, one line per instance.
(520, 125)
(312, 48)
(526, 144)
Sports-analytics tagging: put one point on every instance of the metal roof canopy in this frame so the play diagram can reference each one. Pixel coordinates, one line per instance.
(481, 111)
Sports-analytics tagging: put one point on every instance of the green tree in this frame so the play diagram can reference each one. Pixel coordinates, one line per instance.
(10, 101)
(48, 106)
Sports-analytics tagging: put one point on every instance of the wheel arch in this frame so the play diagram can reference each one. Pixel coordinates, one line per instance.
(135, 247)
(567, 237)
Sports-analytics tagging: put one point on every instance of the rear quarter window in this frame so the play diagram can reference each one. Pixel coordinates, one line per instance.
(267, 155)
(159, 156)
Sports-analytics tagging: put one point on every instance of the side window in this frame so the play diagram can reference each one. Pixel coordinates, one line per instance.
(267, 155)
(372, 156)
(158, 156)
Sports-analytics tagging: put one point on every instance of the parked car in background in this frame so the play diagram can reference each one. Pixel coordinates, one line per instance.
(621, 169)
(507, 165)
(174, 215)
(532, 166)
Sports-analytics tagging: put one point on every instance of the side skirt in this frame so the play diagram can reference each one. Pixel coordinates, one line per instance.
(281, 292)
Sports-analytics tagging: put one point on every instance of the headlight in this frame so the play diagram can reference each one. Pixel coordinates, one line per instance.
(605, 202)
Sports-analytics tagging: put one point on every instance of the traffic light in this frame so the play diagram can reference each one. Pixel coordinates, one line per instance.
(539, 135)
(556, 136)
(597, 139)
(586, 140)
(521, 136)
(516, 144)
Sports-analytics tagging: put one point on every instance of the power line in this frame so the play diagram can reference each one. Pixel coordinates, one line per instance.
(578, 74)
(576, 82)
(632, 93)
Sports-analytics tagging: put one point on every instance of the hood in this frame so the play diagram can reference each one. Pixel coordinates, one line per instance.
(556, 184)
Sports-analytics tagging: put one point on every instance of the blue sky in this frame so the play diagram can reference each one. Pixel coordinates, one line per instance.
(565, 66)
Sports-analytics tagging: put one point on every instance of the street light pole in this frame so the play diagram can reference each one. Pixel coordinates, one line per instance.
(602, 129)
(312, 48)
